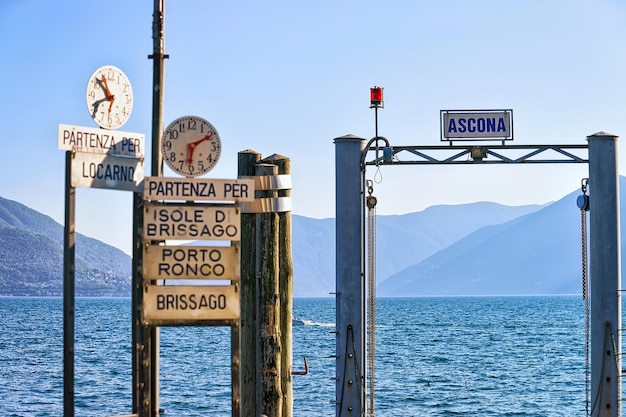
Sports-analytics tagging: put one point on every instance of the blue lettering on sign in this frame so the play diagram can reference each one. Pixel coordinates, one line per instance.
(480, 125)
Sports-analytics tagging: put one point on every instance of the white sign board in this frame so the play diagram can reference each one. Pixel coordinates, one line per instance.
(482, 124)
(195, 222)
(93, 170)
(190, 189)
(175, 303)
(191, 262)
(95, 140)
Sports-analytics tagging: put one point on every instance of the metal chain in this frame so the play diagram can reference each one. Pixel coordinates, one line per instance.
(584, 206)
(371, 292)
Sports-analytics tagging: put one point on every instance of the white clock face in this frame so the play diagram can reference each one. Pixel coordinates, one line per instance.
(109, 97)
(191, 146)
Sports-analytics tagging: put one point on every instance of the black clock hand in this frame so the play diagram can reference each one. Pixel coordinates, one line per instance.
(96, 104)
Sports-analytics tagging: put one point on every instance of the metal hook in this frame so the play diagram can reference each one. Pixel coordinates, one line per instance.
(306, 369)
(583, 185)
(378, 176)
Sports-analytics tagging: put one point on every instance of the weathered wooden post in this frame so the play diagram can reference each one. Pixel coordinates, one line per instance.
(266, 288)
(285, 284)
(269, 391)
(247, 166)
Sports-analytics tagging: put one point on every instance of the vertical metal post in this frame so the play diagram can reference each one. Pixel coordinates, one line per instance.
(605, 276)
(235, 370)
(146, 338)
(69, 240)
(350, 267)
(158, 58)
(138, 347)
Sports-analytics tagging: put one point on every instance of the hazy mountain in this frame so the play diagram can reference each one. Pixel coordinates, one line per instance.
(539, 253)
(31, 258)
(401, 240)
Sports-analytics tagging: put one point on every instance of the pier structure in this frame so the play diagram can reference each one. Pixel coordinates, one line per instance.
(351, 161)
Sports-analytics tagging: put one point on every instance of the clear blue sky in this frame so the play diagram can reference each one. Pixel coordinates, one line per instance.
(289, 76)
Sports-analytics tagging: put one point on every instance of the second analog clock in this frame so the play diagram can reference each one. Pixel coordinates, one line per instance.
(191, 146)
(109, 97)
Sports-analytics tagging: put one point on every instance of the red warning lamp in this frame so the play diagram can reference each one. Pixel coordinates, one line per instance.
(376, 97)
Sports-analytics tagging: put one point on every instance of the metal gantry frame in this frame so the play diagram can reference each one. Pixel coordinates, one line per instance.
(479, 153)
(351, 160)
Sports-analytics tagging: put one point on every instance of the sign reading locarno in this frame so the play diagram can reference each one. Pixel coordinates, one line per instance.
(476, 125)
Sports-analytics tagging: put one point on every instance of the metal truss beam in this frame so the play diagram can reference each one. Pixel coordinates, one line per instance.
(482, 154)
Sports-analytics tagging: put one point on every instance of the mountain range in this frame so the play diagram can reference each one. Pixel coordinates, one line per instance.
(482, 248)
(31, 258)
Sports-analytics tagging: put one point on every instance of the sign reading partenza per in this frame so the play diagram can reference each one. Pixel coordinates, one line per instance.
(94, 140)
(476, 124)
(189, 189)
(172, 303)
(191, 262)
(191, 222)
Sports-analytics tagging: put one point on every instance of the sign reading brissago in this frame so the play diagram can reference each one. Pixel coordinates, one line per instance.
(476, 125)
(184, 303)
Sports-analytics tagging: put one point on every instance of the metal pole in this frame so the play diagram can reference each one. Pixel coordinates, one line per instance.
(69, 239)
(158, 57)
(350, 276)
(146, 355)
(605, 275)
(138, 346)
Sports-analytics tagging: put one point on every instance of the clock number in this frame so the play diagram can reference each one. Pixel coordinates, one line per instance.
(192, 124)
(173, 134)
(201, 165)
(167, 145)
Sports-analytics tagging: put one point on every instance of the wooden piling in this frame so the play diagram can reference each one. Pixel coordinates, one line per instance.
(247, 161)
(269, 342)
(285, 284)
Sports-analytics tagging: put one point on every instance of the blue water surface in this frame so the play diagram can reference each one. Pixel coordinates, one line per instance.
(473, 356)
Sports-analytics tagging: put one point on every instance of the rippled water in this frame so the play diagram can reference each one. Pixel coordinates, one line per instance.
(475, 356)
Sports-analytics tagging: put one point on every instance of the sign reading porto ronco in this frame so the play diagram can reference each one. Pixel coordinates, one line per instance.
(476, 125)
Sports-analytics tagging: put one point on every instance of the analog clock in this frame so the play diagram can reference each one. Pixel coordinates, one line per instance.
(109, 97)
(191, 146)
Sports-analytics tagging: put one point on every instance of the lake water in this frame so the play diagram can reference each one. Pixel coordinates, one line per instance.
(474, 356)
